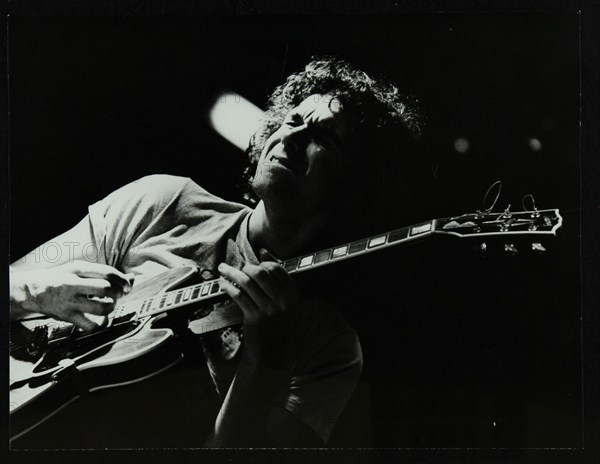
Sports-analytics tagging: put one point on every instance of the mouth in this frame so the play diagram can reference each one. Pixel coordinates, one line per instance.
(285, 163)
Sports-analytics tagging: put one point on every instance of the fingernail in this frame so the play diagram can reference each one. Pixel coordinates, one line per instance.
(221, 266)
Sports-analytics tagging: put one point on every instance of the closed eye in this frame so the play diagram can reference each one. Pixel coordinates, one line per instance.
(293, 120)
(320, 135)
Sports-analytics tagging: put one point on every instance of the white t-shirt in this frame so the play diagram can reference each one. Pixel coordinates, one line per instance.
(160, 222)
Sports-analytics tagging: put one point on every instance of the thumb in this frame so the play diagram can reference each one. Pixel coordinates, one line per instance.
(82, 322)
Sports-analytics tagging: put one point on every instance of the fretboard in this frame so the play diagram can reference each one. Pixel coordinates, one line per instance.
(211, 289)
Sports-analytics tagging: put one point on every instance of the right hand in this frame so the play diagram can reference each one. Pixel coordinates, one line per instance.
(69, 291)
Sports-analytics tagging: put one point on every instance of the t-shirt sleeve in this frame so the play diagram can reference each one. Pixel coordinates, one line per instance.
(318, 397)
(119, 219)
(326, 370)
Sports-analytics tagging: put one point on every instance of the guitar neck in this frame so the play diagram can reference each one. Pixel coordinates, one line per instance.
(507, 226)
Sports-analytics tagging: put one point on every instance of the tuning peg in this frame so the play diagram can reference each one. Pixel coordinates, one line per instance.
(510, 248)
(537, 246)
(533, 210)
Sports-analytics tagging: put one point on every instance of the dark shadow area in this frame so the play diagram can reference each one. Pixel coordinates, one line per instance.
(460, 350)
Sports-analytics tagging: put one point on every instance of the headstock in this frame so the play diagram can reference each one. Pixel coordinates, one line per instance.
(529, 227)
(507, 227)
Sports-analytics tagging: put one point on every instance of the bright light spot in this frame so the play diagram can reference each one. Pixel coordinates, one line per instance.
(534, 144)
(461, 145)
(235, 118)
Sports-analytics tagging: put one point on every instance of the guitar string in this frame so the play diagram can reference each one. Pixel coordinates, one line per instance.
(30, 337)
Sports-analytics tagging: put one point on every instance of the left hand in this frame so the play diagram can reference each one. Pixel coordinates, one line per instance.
(267, 297)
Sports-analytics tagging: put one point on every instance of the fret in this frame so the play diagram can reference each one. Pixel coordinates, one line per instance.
(355, 247)
(322, 256)
(396, 235)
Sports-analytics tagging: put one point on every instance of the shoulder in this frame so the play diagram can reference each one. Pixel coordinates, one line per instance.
(153, 192)
(159, 187)
(160, 193)
(182, 191)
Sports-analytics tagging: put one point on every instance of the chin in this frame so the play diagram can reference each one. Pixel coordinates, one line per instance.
(274, 190)
(269, 181)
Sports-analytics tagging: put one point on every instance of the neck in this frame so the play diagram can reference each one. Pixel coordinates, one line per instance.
(283, 233)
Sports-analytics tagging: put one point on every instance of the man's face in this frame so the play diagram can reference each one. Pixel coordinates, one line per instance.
(301, 160)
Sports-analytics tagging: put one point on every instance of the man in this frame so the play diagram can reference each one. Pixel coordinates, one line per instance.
(316, 172)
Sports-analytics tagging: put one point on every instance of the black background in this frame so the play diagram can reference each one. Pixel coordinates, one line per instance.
(453, 343)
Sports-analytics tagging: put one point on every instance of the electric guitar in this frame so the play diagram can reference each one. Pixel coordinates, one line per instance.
(53, 363)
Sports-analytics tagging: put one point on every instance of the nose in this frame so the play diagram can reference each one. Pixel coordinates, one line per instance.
(293, 138)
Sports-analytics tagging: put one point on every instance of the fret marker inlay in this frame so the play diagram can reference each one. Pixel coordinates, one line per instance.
(306, 261)
(340, 251)
(376, 241)
(420, 229)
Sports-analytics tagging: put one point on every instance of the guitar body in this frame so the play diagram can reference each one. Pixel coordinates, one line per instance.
(130, 350)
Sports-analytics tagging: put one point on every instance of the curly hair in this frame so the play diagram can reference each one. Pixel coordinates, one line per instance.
(385, 116)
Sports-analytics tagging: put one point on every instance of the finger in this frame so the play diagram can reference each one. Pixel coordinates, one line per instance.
(79, 320)
(99, 287)
(269, 285)
(281, 276)
(265, 255)
(95, 306)
(241, 299)
(277, 271)
(104, 271)
(247, 285)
